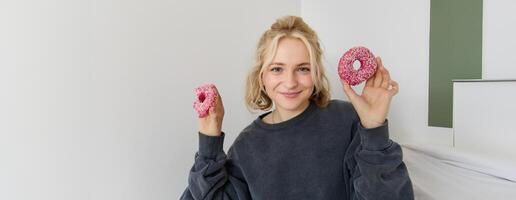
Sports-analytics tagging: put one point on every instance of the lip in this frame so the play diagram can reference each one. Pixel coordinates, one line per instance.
(291, 94)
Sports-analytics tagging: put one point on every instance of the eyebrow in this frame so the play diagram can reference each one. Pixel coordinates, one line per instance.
(279, 63)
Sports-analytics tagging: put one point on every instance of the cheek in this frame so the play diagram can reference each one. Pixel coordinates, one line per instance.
(269, 81)
(307, 81)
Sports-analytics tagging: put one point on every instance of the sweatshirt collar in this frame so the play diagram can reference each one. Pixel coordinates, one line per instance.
(288, 123)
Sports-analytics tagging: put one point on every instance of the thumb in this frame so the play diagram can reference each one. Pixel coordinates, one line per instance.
(350, 93)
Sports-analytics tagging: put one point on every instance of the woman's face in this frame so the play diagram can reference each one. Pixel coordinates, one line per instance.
(288, 80)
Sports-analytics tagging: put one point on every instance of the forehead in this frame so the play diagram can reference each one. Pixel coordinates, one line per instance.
(291, 51)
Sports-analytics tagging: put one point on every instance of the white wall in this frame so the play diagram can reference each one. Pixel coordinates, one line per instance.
(398, 31)
(499, 29)
(96, 96)
(483, 125)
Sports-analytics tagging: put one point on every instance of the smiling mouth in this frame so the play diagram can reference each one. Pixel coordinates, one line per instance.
(291, 94)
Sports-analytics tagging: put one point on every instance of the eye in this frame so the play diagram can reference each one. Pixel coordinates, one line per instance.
(276, 69)
(304, 69)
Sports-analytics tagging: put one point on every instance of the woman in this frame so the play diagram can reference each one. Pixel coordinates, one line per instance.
(308, 147)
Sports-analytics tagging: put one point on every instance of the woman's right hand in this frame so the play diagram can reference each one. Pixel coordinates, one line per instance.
(211, 125)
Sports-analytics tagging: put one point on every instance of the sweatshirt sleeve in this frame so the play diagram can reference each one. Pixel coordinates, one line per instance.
(215, 175)
(375, 165)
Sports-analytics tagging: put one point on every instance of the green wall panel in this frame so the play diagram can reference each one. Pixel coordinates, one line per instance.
(455, 53)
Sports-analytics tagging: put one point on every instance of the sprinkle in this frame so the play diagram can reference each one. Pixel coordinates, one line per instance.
(367, 68)
(206, 98)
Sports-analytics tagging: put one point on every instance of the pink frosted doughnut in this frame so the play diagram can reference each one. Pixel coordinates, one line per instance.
(367, 65)
(206, 98)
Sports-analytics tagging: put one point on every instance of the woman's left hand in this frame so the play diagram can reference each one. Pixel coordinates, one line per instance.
(372, 105)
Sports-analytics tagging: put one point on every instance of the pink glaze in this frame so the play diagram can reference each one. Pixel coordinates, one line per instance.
(367, 68)
(206, 98)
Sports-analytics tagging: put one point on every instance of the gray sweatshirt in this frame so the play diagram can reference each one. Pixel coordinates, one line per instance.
(322, 153)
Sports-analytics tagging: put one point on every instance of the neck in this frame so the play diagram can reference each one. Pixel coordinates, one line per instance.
(280, 115)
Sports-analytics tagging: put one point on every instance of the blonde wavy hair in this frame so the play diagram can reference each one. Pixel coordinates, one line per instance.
(292, 27)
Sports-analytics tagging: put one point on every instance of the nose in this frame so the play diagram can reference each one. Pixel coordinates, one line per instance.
(291, 81)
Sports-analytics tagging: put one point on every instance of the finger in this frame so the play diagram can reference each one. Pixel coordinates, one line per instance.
(393, 83)
(379, 73)
(219, 100)
(350, 93)
(394, 87)
(378, 76)
(370, 82)
(386, 78)
(217, 91)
